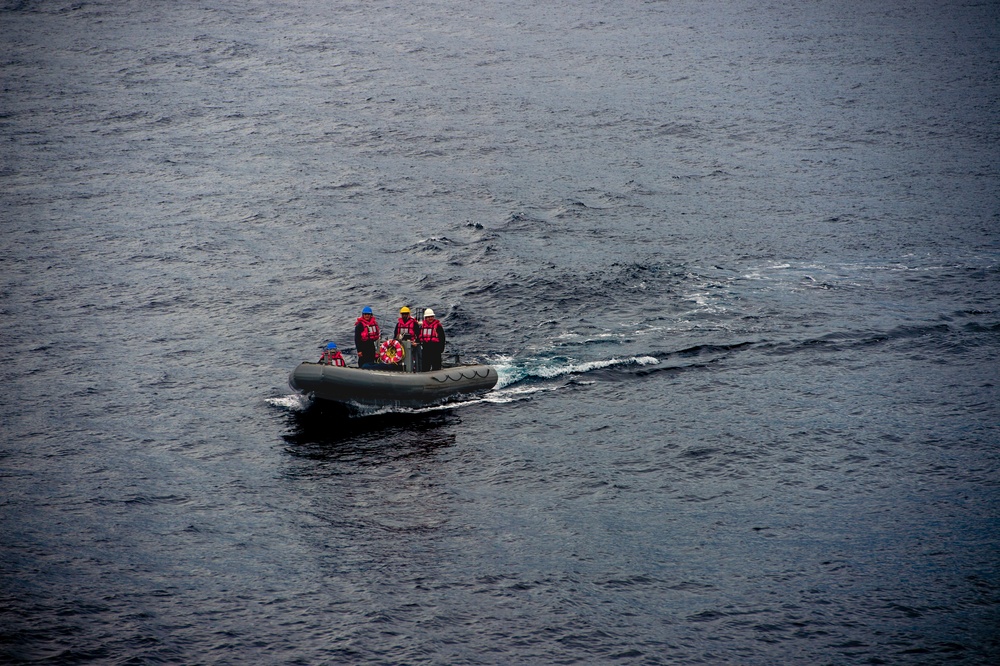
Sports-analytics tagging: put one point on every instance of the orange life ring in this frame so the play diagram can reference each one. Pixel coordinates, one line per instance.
(391, 352)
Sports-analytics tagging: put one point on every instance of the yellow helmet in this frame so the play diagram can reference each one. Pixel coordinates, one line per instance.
(404, 310)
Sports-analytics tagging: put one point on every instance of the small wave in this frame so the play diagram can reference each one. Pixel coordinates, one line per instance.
(293, 403)
(358, 411)
(513, 394)
(496, 397)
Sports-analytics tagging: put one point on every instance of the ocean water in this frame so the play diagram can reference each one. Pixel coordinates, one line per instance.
(738, 265)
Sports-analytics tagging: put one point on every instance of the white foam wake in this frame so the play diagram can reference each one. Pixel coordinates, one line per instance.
(512, 373)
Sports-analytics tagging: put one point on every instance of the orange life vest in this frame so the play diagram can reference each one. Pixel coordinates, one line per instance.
(370, 331)
(430, 331)
(333, 358)
(408, 326)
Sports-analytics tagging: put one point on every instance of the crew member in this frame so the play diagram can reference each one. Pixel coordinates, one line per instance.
(332, 356)
(407, 327)
(432, 341)
(366, 334)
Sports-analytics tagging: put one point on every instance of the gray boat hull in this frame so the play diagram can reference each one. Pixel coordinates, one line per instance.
(382, 388)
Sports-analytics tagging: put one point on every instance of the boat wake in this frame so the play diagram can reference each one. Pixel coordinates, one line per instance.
(515, 373)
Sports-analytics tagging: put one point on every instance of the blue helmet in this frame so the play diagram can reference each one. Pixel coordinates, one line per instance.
(331, 345)
(366, 310)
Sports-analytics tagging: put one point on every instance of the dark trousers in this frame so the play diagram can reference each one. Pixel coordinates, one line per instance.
(366, 353)
(430, 356)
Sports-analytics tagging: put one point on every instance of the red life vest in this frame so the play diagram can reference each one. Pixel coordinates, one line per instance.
(370, 330)
(408, 326)
(333, 358)
(430, 331)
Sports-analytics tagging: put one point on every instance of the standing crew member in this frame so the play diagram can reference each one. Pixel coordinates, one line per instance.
(406, 327)
(366, 334)
(432, 339)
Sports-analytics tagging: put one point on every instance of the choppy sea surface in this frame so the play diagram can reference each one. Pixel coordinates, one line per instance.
(738, 264)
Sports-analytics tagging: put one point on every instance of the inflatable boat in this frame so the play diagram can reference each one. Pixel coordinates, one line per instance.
(379, 387)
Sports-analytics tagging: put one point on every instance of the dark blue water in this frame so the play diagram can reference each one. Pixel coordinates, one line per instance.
(738, 264)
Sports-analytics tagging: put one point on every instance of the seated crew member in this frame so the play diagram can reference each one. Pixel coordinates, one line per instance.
(332, 356)
(432, 342)
(366, 334)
